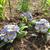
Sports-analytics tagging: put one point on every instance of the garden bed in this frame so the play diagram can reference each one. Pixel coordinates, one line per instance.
(21, 23)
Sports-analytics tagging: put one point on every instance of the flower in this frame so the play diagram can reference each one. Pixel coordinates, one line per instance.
(28, 15)
(8, 33)
(42, 25)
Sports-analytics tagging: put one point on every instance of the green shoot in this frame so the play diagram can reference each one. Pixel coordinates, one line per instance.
(2, 4)
(24, 5)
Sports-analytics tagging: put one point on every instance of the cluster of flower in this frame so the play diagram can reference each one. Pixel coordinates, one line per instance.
(8, 33)
(42, 26)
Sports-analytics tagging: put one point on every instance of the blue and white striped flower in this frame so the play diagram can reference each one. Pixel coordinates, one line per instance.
(42, 25)
(8, 33)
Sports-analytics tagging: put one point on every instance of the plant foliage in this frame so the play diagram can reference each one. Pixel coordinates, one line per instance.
(22, 31)
(24, 5)
(2, 4)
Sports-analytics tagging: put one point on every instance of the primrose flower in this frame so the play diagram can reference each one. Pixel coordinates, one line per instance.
(8, 33)
(42, 25)
(28, 15)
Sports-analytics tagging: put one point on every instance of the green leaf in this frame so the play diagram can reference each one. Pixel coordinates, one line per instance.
(48, 1)
(33, 21)
(48, 30)
(2, 4)
(23, 27)
(21, 34)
